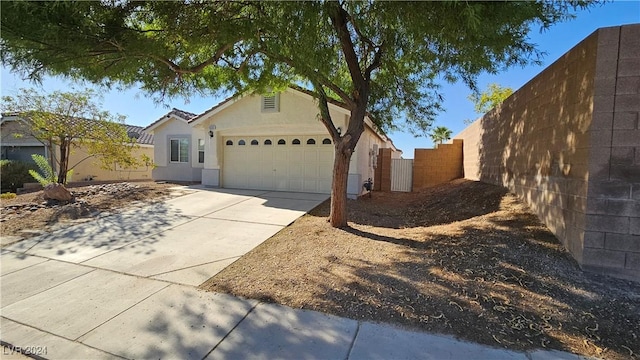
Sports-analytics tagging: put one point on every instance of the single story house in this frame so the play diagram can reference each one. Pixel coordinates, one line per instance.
(261, 142)
(17, 144)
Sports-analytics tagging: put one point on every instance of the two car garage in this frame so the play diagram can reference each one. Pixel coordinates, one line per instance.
(282, 163)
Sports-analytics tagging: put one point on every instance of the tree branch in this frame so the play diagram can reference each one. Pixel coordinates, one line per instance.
(377, 61)
(339, 21)
(197, 68)
(325, 115)
(319, 78)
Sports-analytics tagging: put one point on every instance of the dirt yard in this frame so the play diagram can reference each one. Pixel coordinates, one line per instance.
(29, 214)
(465, 259)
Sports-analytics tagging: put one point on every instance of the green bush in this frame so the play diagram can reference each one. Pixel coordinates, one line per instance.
(8, 196)
(13, 174)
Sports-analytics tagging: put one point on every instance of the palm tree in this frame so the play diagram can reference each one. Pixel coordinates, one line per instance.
(440, 134)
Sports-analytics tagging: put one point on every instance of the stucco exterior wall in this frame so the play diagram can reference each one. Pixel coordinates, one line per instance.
(364, 160)
(567, 143)
(14, 132)
(173, 127)
(90, 169)
(85, 167)
(166, 170)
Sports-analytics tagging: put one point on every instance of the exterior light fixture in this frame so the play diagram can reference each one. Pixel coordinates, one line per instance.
(339, 130)
(212, 128)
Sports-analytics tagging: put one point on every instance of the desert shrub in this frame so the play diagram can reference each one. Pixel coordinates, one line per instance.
(46, 175)
(13, 174)
(8, 196)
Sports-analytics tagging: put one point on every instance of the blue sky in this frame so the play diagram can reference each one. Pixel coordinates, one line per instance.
(141, 110)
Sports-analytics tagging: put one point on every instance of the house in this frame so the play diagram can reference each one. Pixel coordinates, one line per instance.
(257, 142)
(17, 144)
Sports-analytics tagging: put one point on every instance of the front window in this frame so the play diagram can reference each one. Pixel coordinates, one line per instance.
(180, 150)
(201, 151)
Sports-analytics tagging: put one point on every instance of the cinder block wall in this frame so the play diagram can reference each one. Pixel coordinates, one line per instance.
(612, 225)
(568, 144)
(436, 166)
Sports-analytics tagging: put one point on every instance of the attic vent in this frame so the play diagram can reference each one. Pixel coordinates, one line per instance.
(271, 103)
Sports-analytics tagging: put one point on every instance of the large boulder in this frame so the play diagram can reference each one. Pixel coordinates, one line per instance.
(57, 192)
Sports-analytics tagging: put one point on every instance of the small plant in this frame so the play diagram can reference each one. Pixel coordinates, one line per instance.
(148, 161)
(46, 175)
(8, 196)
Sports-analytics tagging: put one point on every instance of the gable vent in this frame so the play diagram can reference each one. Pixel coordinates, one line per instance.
(271, 103)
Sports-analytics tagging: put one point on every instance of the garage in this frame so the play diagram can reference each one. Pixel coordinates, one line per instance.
(283, 163)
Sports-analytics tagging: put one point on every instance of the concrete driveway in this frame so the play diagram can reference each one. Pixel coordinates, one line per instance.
(185, 240)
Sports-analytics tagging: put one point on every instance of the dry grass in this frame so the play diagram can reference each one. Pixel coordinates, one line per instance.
(464, 258)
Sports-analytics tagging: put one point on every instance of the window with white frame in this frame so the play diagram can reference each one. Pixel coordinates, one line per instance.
(179, 150)
(201, 151)
(271, 103)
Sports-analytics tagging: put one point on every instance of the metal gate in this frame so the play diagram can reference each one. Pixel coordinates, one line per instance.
(401, 174)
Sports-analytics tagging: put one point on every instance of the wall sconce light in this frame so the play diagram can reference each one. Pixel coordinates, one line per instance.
(210, 133)
(211, 130)
(339, 130)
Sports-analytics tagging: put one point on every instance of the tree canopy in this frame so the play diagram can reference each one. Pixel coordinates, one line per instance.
(379, 57)
(493, 96)
(64, 121)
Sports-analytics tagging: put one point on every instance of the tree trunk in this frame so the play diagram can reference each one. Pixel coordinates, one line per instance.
(52, 159)
(338, 215)
(64, 160)
(344, 148)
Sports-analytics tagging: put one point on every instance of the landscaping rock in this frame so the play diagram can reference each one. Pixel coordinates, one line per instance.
(57, 192)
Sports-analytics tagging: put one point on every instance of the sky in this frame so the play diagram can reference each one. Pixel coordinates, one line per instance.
(141, 110)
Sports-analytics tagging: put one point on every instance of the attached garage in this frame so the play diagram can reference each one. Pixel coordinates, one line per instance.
(285, 163)
(263, 142)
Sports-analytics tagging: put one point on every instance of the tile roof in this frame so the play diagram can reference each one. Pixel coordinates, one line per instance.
(185, 115)
(144, 138)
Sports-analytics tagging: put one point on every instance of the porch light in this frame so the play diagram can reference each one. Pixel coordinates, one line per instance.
(211, 133)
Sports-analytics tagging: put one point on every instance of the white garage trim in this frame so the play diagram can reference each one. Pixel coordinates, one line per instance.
(286, 163)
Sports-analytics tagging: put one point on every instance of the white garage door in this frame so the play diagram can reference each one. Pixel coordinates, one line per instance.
(285, 163)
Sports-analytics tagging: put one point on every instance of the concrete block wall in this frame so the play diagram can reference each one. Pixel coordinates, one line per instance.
(436, 166)
(568, 144)
(612, 226)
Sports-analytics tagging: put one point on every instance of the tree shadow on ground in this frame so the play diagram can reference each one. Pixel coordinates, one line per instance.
(447, 203)
(488, 286)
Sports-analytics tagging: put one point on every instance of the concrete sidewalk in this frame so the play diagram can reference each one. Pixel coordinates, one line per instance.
(72, 311)
(124, 286)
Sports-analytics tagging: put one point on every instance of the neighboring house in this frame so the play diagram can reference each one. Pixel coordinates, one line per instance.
(17, 144)
(265, 143)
